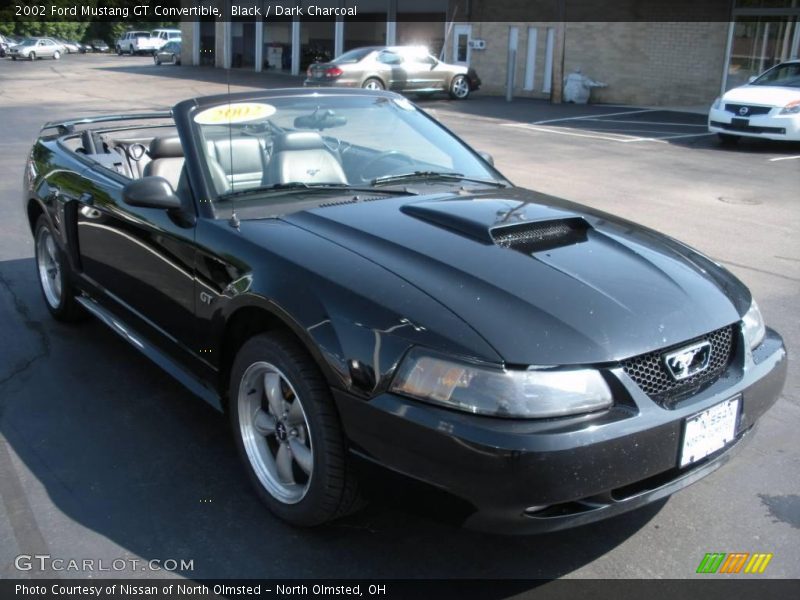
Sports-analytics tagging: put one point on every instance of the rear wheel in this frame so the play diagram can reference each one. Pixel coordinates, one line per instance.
(54, 275)
(459, 87)
(726, 139)
(288, 433)
(373, 83)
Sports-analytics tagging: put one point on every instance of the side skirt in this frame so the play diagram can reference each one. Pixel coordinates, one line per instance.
(173, 368)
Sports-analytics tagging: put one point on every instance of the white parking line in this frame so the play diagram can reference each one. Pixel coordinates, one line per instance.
(648, 123)
(618, 137)
(784, 158)
(583, 118)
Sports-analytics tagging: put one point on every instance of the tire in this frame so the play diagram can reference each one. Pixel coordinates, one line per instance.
(56, 55)
(155, 60)
(119, 51)
(315, 484)
(373, 83)
(459, 88)
(726, 139)
(13, 58)
(32, 56)
(54, 276)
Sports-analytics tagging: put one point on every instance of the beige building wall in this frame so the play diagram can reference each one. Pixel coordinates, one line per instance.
(642, 63)
(649, 63)
(187, 41)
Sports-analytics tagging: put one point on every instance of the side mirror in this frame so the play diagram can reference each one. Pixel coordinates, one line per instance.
(752, 78)
(487, 157)
(151, 192)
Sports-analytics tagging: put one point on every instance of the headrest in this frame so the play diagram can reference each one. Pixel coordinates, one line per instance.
(298, 140)
(166, 147)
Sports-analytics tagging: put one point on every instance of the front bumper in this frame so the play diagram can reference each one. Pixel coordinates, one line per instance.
(771, 126)
(530, 476)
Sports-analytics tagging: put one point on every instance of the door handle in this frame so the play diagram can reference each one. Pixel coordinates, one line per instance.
(86, 198)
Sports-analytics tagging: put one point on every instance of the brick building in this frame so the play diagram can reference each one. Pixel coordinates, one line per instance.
(526, 48)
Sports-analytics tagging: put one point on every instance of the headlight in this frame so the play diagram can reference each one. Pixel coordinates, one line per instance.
(753, 326)
(717, 103)
(793, 108)
(532, 393)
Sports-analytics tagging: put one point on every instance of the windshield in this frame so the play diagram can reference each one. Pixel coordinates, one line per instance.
(786, 75)
(320, 140)
(29, 42)
(351, 57)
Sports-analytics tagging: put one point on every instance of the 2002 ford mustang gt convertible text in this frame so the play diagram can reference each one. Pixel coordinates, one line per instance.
(351, 282)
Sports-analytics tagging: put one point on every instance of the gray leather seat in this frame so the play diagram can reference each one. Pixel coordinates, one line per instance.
(166, 155)
(241, 159)
(303, 156)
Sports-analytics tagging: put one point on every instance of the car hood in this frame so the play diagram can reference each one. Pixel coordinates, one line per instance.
(767, 95)
(597, 290)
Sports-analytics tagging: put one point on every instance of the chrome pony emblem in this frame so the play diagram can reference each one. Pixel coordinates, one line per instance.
(688, 361)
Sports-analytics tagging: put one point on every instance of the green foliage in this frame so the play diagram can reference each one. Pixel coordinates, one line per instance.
(66, 27)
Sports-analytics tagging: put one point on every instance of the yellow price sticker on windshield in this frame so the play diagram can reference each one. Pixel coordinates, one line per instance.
(240, 112)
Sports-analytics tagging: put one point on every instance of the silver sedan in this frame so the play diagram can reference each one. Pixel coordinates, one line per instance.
(398, 68)
(33, 48)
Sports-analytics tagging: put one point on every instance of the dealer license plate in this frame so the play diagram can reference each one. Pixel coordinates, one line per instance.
(707, 432)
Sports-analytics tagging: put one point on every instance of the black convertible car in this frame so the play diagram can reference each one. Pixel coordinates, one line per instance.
(351, 282)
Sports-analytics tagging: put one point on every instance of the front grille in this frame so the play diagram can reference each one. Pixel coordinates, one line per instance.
(752, 111)
(538, 236)
(748, 128)
(651, 375)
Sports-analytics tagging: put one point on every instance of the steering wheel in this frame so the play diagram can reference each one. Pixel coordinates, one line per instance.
(383, 156)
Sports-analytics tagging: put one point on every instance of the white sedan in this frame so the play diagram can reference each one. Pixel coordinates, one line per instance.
(767, 107)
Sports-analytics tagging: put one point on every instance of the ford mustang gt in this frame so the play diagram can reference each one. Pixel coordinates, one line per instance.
(349, 281)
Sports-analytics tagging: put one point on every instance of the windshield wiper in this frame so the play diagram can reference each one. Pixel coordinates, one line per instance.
(299, 186)
(446, 175)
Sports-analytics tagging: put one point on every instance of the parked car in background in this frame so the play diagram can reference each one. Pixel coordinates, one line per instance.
(98, 46)
(69, 47)
(161, 37)
(397, 68)
(33, 48)
(137, 42)
(767, 107)
(5, 45)
(169, 53)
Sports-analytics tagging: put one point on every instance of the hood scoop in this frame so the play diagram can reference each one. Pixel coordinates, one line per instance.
(503, 222)
(537, 236)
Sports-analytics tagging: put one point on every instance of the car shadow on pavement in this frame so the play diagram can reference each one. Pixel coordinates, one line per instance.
(128, 456)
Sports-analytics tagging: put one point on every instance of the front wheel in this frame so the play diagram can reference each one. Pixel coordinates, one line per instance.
(288, 434)
(54, 279)
(373, 83)
(32, 56)
(155, 60)
(56, 55)
(459, 87)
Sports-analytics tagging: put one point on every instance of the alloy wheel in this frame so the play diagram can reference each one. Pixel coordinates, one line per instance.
(49, 267)
(275, 432)
(460, 87)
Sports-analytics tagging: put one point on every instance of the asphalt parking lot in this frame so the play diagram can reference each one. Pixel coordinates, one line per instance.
(104, 456)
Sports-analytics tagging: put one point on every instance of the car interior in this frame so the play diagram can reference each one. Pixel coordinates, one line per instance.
(238, 159)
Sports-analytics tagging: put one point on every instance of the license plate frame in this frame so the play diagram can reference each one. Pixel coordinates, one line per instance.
(709, 431)
(740, 123)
